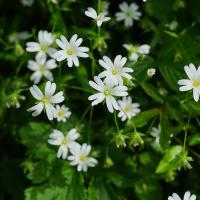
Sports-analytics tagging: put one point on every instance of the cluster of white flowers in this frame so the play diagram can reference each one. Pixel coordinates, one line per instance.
(67, 143)
(113, 86)
(135, 50)
(187, 196)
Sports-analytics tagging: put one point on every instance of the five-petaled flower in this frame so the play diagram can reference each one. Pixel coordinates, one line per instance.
(46, 101)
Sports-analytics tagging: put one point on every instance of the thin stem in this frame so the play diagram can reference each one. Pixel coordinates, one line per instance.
(84, 114)
(186, 130)
(116, 123)
(90, 123)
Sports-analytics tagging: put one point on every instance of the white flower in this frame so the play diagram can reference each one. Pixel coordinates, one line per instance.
(128, 13)
(115, 72)
(151, 72)
(43, 46)
(187, 196)
(80, 157)
(41, 67)
(70, 50)
(27, 3)
(135, 51)
(193, 83)
(127, 108)
(106, 91)
(64, 141)
(46, 101)
(90, 12)
(63, 113)
(16, 37)
(155, 132)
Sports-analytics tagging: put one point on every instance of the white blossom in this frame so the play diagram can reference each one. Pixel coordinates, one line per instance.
(63, 113)
(155, 132)
(106, 91)
(115, 71)
(128, 13)
(41, 67)
(187, 196)
(127, 108)
(64, 141)
(135, 51)
(193, 83)
(71, 50)
(46, 101)
(80, 157)
(43, 46)
(99, 18)
(151, 72)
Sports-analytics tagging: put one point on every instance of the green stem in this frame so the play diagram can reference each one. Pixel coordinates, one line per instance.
(116, 123)
(186, 130)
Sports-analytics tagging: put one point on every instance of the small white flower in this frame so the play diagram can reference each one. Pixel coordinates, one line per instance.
(41, 67)
(187, 196)
(70, 50)
(128, 13)
(16, 37)
(151, 72)
(43, 46)
(63, 113)
(135, 51)
(46, 101)
(65, 142)
(27, 3)
(155, 132)
(115, 72)
(90, 12)
(127, 108)
(80, 157)
(106, 91)
(193, 83)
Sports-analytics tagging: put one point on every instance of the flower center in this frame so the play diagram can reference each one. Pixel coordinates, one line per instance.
(64, 140)
(133, 49)
(82, 158)
(195, 83)
(114, 72)
(128, 14)
(127, 108)
(107, 92)
(42, 68)
(43, 48)
(70, 52)
(61, 113)
(44, 99)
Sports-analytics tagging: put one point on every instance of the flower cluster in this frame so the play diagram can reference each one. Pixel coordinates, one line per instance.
(67, 143)
(187, 196)
(113, 86)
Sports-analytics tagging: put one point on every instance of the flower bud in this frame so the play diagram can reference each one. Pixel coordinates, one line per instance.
(136, 139)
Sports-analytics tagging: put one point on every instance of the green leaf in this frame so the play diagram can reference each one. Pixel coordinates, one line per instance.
(165, 130)
(144, 117)
(172, 34)
(152, 92)
(171, 160)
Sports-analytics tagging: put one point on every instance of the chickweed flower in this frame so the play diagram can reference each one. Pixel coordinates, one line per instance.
(115, 71)
(71, 50)
(90, 12)
(187, 196)
(41, 67)
(135, 51)
(106, 91)
(46, 101)
(43, 46)
(151, 72)
(128, 13)
(155, 132)
(63, 113)
(80, 157)
(127, 108)
(193, 83)
(65, 142)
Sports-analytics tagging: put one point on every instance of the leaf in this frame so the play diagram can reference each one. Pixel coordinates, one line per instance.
(152, 92)
(144, 117)
(172, 34)
(171, 160)
(165, 130)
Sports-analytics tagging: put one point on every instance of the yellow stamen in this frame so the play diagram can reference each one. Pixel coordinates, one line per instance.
(107, 92)
(127, 108)
(114, 72)
(44, 99)
(195, 83)
(61, 113)
(64, 140)
(82, 158)
(43, 48)
(70, 52)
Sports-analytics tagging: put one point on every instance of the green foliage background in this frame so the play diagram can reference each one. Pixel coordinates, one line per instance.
(29, 168)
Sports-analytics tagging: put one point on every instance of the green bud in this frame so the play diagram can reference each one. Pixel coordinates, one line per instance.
(136, 139)
(19, 51)
(108, 162)
(120, 140)
(185, 161)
